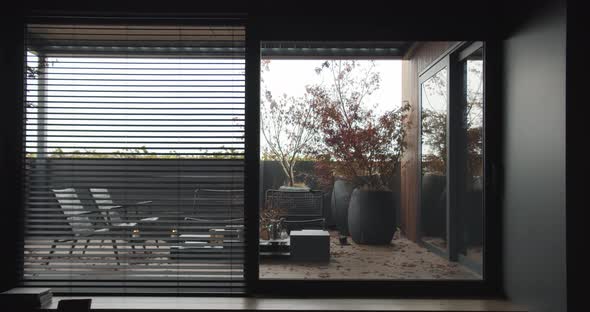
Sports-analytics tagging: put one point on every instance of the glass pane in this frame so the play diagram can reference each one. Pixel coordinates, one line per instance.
(330, 138)
(472, 213)
(332, 203)
(134, 175)
(433, 212)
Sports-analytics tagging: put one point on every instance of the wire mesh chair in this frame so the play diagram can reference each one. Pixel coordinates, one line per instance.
(298, 205)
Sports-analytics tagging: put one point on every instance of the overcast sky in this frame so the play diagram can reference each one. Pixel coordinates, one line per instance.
(291, 77)
(79, 84)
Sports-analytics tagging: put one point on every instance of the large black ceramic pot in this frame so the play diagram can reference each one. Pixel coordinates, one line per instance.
(327, 206)
(433, 205)
(340, 199)
(371, 217)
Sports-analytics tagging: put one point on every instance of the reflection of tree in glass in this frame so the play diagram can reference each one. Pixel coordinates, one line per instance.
(434, 124)
(473, 116)
(434, 120)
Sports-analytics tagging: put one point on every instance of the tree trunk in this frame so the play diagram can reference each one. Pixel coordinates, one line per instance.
(291, 176)
(285, 167)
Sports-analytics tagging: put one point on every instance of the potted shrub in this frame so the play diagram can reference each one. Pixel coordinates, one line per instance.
(360, 146)
(270, 218)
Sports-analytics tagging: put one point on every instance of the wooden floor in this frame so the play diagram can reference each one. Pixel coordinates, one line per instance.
(266, 304)
(400, 260)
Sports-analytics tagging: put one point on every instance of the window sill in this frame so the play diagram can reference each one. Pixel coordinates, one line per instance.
(276, 304)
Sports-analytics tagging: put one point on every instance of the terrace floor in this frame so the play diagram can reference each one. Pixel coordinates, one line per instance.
(402, 259)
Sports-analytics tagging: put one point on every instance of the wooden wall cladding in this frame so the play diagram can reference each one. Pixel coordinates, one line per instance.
(419, 57)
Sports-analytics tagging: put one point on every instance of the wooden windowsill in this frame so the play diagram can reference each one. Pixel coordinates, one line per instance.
(276, 304)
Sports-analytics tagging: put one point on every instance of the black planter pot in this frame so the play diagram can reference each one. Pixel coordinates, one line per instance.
(327, 205)
(340, 200)
(472, 213)
(372, 217)
(433, 206)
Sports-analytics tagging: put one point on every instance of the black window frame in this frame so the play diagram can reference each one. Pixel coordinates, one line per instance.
(490, 284)
(258, 30)
(452, 60)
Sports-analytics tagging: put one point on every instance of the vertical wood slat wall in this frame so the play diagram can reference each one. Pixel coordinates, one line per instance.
(418, 58)
(139, 131)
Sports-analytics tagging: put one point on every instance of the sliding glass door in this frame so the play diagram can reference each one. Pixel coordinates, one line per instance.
(452, 156)
(434, 99)
(470, 216)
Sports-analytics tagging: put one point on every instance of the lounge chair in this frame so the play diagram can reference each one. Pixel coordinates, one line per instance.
(119, 214)
(84, 223)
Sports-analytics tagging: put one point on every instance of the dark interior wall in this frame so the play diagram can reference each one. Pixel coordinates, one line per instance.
(534, 157)
(11, 69)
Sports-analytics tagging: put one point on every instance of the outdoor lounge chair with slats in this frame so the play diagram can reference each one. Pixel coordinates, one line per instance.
(83, 223)
(119, 213)
(118, 216)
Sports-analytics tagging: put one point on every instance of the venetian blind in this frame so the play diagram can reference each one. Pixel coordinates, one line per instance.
(134, 158)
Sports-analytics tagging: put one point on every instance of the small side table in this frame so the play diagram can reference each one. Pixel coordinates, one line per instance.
(310, 246)
(275, 248)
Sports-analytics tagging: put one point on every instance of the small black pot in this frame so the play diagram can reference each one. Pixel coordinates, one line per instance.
(372, 217)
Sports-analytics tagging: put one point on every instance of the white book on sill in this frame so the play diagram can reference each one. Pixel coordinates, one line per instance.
(27, 296)
(27, 292)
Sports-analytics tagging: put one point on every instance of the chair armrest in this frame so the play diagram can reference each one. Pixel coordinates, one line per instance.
(209, 220)
(152, 219)
(106, 208)
(136, 203)
(73, 213)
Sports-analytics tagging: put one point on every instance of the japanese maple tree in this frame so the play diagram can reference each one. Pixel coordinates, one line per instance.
(354, 141)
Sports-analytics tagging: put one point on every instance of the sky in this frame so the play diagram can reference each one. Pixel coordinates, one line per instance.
(78, 87)
(172, 113)
(169, 105)
(291, 77)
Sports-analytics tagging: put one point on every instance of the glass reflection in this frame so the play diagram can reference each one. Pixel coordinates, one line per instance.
(434, 100)
(472, 214)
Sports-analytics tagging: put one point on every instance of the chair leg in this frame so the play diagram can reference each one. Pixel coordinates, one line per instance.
(115, 251)
(52, 251)
(73, 246)
(85, 246)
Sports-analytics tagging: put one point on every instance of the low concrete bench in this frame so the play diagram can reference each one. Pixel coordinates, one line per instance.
(310, 246)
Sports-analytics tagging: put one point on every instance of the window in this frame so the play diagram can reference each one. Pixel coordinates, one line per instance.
(135, 158)
(434, 99)
(334, 133)
(472, 152)
(137, 149)
(451, 121)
